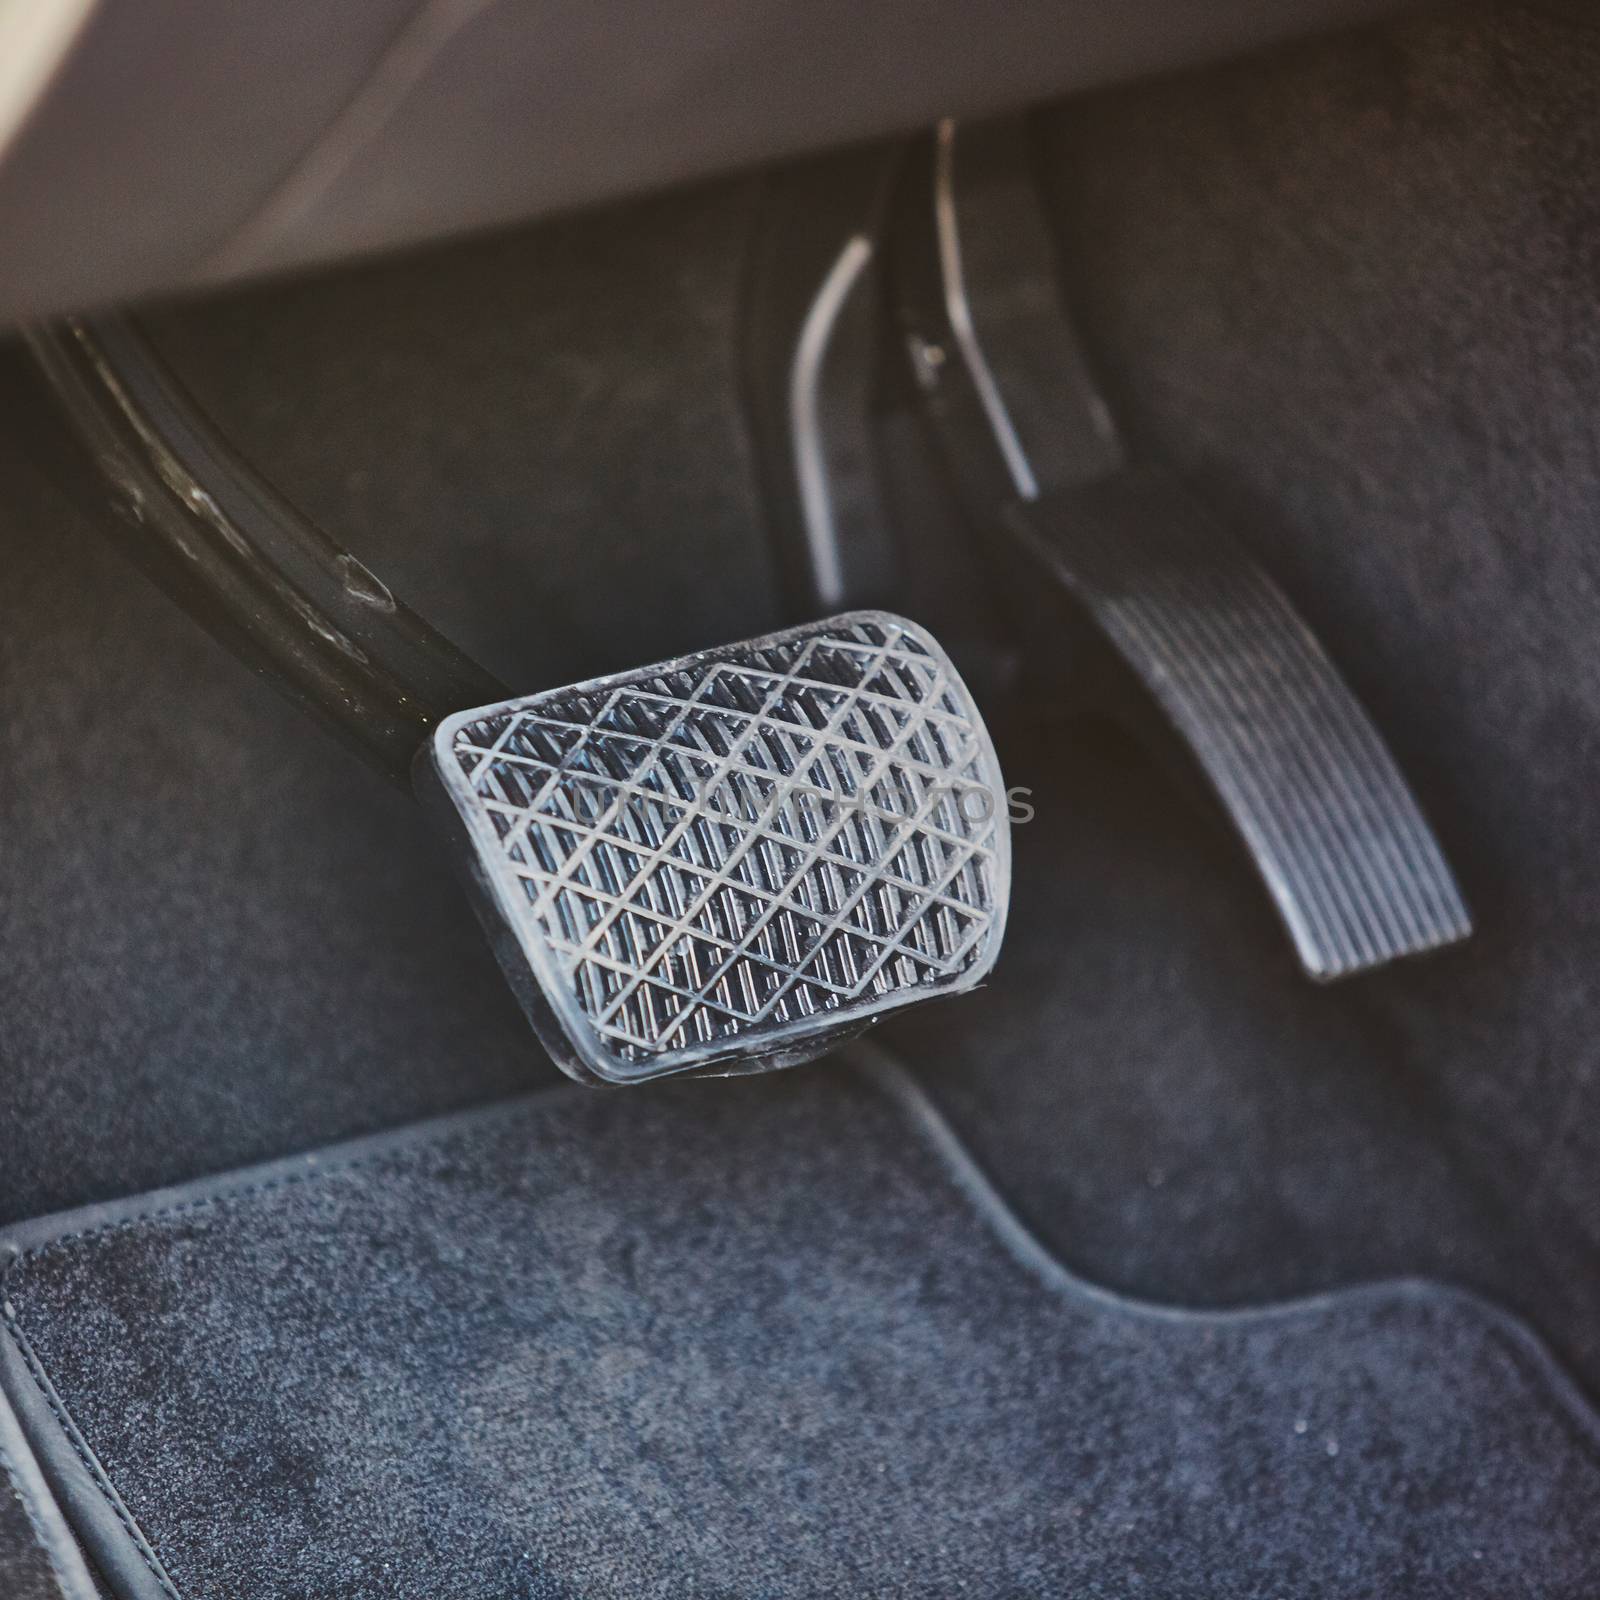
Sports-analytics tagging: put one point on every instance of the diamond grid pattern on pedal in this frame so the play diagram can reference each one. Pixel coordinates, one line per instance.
(731, 854)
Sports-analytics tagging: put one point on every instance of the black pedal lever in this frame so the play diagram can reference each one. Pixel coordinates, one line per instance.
(1350, 862)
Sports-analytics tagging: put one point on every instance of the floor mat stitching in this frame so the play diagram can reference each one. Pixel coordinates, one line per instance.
(79, 1447)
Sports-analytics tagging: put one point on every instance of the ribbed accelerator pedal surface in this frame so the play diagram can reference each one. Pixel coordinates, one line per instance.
(1351, 863)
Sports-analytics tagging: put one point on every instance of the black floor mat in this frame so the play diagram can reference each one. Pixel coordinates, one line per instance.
(1155, 1086)
(768, 1338)
(39, 1559)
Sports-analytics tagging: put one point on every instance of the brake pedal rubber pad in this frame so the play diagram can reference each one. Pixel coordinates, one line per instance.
(729, 862)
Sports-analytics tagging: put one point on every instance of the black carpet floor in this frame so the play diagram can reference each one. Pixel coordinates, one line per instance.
(223, 939)
(1157, 1088)
(772, 1338)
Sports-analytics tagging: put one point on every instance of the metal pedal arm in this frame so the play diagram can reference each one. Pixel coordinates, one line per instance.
(252, 570)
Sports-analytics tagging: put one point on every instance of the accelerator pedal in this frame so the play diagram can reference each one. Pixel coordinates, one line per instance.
(1350, 863)
(1344, 850)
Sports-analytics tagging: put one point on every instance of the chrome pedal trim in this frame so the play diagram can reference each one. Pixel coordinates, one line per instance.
(730, 861)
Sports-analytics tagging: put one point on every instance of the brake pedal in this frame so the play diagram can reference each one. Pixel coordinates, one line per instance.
(733, 861)
(1352, 867)
(720, 864)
